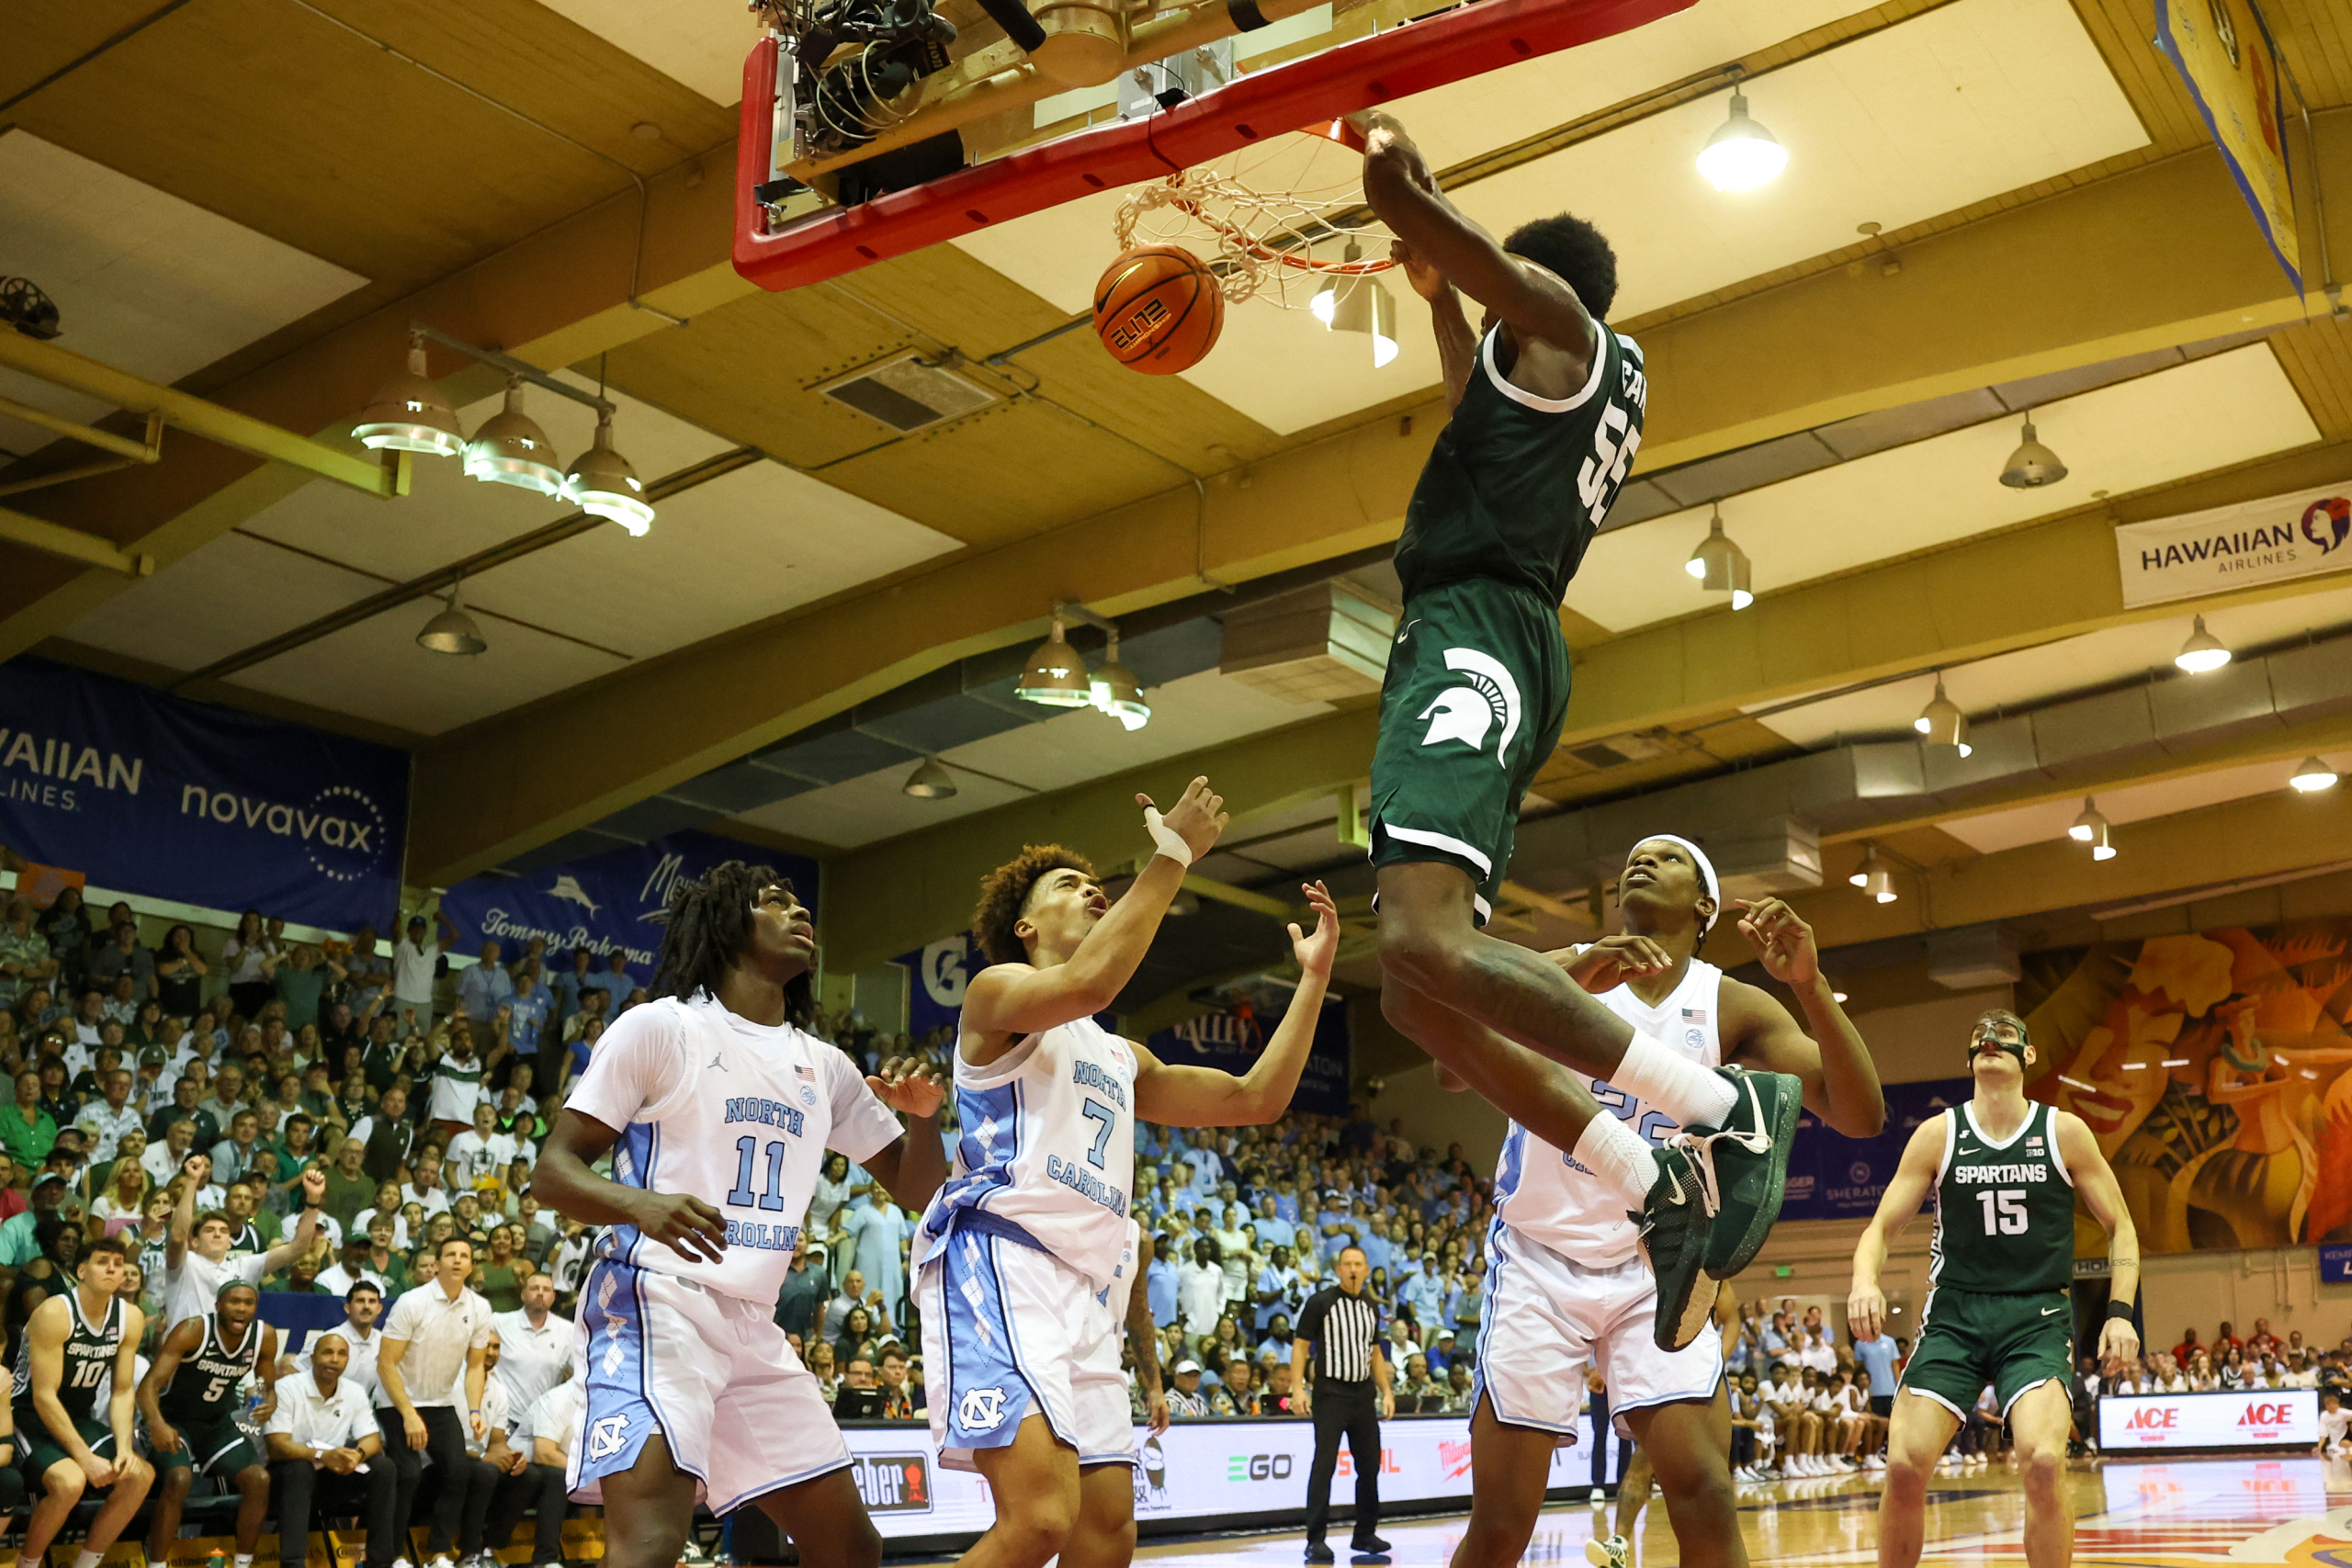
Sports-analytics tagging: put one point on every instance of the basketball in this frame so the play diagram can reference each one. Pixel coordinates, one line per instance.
(1158, 310)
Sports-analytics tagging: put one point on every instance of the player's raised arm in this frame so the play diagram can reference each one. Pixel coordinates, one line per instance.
(1403, 193)
(1020, 999)
(1840, 1080)
(1866, 1304)
(912, 1167)
(1205, 1097)
(2095, 1180)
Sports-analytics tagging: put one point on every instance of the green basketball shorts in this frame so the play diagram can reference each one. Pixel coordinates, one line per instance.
(217, 1447)
(1476, 689)
(1969, 1338)
(46, 1452)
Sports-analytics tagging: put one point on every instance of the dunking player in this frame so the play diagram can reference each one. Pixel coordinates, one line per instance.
(1029, 1246)
(2005, 1172)
(1565, 1281)
(714, 1087)
(1548, 414)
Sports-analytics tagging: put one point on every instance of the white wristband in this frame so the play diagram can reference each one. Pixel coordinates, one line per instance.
(1169, 841)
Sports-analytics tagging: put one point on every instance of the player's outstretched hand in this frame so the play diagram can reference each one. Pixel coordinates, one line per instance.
(1427, 281)
(1314, 951)
(1197, 818)
(1866, 1312)
(686, 1225)
(1613, 959)
(2119, 1339)
(1782, 943)
(907, 1086)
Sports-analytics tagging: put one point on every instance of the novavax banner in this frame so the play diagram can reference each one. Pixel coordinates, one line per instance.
(607, 903)
(149, 793)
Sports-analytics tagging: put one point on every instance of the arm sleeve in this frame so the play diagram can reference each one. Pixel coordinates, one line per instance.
(281, 1420)
(637, 1067)
(1310, 1319)
(400, 1322)
(863, 1127)
(479, 1339)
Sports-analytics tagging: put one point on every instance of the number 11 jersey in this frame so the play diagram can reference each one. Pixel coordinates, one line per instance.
(1046, 1155)
(732, 1111)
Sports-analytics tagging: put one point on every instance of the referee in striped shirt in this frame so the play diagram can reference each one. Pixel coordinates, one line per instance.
(1339, 1338)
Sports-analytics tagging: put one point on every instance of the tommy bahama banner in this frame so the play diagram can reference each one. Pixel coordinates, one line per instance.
(2213, 1070)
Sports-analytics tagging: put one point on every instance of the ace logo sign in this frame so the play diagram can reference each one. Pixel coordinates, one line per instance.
(2264, 1418)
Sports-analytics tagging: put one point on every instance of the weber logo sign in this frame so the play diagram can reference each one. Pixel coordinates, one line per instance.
(2257, 541)
(893, 1483)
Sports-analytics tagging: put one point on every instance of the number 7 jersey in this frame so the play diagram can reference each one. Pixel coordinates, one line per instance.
(2005, 1211)
(1047, 1154)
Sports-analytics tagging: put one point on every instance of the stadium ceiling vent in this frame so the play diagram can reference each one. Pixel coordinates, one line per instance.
(908, 392)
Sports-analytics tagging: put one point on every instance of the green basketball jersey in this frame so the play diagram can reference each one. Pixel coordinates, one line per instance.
(1518, 485)
(2005, 1211)
(89, 1353)
(206, 1387)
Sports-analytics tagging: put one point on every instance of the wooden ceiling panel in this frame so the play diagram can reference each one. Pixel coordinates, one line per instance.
(46, 36)
(2317, 357)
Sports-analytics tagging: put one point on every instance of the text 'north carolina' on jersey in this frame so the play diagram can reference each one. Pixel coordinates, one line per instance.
(732, 1111)
(1517, 485)
(2005, 1211)
(1544, 1194)
(1048, 1147)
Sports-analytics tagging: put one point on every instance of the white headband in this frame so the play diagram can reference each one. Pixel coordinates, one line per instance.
(1707, 883)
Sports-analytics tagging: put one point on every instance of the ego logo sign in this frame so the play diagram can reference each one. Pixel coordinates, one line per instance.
(1258, 1467)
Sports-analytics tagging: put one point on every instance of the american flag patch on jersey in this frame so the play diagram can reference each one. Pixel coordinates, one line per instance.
(808, 1073)
(1694, 1015)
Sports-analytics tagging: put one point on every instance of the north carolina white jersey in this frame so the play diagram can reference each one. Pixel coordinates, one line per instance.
(1544, 1194)
(1048, 1147)
(712, 1104)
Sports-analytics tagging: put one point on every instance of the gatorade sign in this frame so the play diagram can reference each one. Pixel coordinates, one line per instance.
(2250, 1418)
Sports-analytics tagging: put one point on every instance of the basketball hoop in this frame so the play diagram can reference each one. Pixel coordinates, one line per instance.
(1284, 246)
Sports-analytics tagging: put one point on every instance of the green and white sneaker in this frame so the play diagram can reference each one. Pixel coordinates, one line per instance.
(1743, 1166)
(1673, 1240)
(1615, 1551)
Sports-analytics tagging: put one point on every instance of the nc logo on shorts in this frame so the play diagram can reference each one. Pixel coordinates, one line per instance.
(604, 1435)
(981, 1410)
(1463, 713)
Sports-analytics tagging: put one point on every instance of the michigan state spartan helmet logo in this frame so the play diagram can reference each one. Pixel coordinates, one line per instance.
(1463, 713)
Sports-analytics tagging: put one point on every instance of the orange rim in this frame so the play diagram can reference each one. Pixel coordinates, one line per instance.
(1245, 240)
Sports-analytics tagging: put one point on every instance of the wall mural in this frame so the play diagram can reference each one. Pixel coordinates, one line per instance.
(2213, 1070)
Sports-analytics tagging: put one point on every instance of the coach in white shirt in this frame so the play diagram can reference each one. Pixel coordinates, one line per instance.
(534, 1344)
(325, 1446)
(437, 1334)
(361, 1335)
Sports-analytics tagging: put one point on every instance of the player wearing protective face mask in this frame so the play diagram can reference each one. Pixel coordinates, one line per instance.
(2005, 1172)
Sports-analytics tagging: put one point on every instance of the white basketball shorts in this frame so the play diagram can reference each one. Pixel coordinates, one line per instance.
(665, 1355)
(1547, 1316)
(1009, 1330)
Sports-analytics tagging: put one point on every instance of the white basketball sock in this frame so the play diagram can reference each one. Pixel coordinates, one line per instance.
(1617, 1155)
(1659, 1076)
(85, 1558)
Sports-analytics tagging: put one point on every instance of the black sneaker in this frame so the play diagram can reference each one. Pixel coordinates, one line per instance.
(1319, 1553)
(1673, 1238)
(1744, 1166)
(1368, 1546)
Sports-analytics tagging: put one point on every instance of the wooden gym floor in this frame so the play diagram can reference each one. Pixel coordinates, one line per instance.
(2217, 1513)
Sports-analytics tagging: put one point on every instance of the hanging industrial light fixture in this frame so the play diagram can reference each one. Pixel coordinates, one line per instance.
(410, 413)
(1873, 877)
(451, 631)
(1942, 723)
(1360, 303)
(2202, 652)
(602, 484)
(2311, 774)
(1741, 154)
(1056, 677)
(929, 782)
(2032, 465)
(1114, 690)
(1721, 566)
(510, 449)
(2092, 828)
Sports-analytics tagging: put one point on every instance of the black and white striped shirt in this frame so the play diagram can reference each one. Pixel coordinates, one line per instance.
(1341, 1330)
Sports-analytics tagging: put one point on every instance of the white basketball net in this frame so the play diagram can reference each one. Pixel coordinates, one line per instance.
(1278, 245)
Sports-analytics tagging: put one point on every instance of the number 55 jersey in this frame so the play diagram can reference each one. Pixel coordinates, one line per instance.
(1028, 1253)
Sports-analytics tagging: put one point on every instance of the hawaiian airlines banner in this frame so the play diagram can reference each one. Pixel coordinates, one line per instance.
(1230, 1038)
(148, 794)
(2269, 540)
(607, 903)
(2212, 1069)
